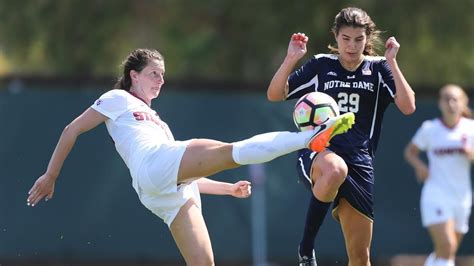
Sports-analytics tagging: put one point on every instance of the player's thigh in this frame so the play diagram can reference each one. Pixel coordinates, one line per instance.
(191, 236)
(204, 157)
(459, 237)
(328, 164)
(356, 227)
(434, 207)
(310, 166)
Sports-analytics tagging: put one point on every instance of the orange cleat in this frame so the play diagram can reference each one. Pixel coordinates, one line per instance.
(327, 130)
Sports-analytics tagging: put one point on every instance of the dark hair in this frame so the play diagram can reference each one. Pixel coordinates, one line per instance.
(356, 17)
(136, 60)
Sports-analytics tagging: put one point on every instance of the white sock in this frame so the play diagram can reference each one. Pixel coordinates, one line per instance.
(430, 259)
(443, 262)
(268, 146)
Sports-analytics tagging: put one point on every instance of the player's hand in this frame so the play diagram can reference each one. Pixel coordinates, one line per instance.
(469, 151)
(297, 46)
(241, 189)
(421, 172)
(391, 48)
(43, 188)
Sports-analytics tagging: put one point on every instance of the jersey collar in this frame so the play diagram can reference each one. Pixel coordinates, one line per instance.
(138, 97)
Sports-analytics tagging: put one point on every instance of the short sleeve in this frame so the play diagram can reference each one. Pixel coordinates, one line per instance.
(111, 104)
(304, 79)
(387, 83)
(421, 138)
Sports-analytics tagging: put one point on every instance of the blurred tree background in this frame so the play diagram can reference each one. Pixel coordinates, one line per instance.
(224, 40)
(62, 52)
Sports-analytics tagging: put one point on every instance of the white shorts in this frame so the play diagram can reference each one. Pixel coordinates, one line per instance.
(156, 182)
(437, 207)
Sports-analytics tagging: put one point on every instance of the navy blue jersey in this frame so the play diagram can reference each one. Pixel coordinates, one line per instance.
(366, 92)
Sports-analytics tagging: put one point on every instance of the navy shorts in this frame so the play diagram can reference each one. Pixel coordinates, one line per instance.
(357, 188)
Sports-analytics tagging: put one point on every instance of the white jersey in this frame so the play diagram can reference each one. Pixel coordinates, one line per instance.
(148, 148)
(449, 167)
(134, 127)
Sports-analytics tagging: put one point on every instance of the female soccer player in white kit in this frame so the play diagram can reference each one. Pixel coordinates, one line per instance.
(167, 174)
(446, 197)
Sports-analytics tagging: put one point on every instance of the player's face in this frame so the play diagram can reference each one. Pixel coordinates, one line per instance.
(452, 103)
(148, 82)
(351, 43)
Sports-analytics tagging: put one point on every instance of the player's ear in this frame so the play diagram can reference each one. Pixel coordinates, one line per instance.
(133, 75)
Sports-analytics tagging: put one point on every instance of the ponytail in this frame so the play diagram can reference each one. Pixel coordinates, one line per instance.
(123, 84)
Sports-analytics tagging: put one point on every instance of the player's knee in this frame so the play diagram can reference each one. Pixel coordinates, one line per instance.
(359, 256)
(446, 248)
(334, 174)
(339, 173)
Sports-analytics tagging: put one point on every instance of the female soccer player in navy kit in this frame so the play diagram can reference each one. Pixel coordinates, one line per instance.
(446, 197)
(360, 83)
(167, 174)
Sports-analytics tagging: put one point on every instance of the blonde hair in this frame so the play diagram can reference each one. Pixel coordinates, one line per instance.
(467, 112)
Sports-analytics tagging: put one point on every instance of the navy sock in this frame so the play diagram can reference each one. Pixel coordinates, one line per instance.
(314, 219)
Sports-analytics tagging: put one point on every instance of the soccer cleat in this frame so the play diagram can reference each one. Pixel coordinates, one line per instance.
(306, 260)
(327, 130)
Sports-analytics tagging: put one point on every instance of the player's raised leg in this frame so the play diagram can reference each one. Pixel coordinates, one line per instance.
(204, 157)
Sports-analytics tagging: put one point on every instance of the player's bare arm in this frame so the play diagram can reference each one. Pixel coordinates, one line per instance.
(44, 185)
(240, 189)
(469, 151)
(405, 98)
(278, 88)
(412, 156)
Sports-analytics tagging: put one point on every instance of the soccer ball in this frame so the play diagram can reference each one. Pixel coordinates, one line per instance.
(314, 109)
